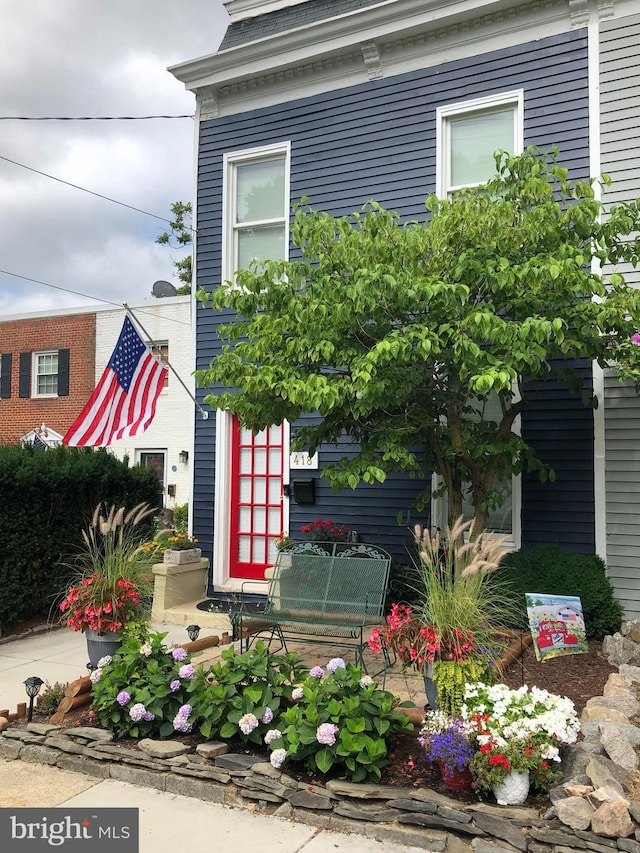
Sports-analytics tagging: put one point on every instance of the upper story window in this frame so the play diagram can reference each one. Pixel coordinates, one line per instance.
(44, 373)
(256, 195)
(161, 349)
(468, 135)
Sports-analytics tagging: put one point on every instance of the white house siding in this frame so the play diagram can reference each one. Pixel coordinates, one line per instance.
(620, 158)
(171, 431)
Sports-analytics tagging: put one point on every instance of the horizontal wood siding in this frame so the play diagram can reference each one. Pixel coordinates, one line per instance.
(560, 428)
(620, 152)
(378, 141)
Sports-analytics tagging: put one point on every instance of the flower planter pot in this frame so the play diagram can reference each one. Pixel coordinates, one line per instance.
(513, 790)
(177, 558)
(99, 645)
(456, 780)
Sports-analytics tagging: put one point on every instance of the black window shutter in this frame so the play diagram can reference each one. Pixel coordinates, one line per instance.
(24, 385)
(5, 376)
(63, 373)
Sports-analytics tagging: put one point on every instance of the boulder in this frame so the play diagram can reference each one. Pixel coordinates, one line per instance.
(612, 820)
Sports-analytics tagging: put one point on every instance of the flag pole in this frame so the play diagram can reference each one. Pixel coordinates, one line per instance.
(203, 412)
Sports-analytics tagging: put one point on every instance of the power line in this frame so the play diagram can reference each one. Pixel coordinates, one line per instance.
(88, 118)
(91, 192)
(85, 295)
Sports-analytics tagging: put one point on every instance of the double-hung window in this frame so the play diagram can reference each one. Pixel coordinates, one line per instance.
(45, 374)
(257, 206)
(468, 135)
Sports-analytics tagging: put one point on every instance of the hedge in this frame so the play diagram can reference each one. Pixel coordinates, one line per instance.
(46, 499)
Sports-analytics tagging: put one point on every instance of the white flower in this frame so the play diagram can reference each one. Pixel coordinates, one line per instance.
(297, 694)
(366, 681)
(104, 661)
(94, 677)
(277, 758)
(146, 650)
(272, 734)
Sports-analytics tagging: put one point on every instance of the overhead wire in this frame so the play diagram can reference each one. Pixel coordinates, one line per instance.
(89, 118)
(86, 295)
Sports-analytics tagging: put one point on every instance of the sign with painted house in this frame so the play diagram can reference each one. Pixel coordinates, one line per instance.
(557, 625)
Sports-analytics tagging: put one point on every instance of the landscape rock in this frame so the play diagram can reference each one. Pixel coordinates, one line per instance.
(575, 812)
(604, 773)
(162, 748)
(604, 795)
(3, 723)
(617, 747)
(612, 820)
(618, 685)
(211, 749)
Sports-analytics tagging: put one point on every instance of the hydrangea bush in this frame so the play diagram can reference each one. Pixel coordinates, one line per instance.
(340, 719)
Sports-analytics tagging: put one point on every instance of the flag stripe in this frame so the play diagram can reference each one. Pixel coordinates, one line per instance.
(123, 402)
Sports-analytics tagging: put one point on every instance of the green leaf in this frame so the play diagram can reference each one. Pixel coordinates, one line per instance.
(324, 760)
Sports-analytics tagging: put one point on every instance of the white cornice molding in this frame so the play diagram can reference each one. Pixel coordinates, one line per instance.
(240, 10)
(337, 53)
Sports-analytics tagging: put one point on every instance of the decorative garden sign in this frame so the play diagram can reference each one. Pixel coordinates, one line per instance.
(557, 624)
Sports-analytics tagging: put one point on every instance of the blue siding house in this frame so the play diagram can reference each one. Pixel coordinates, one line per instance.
(343, 101)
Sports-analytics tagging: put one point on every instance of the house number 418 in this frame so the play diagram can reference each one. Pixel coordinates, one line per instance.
(301, 460)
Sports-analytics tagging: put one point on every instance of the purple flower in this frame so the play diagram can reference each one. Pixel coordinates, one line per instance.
(277, 758)
(336, 663)
(123, 697)
(326, 733)
(187, 671)
(267, 716)
(635, 339)
(138, 712)
(248, 723)
(181, 720)
(149, 716)
(179, 654)
(316, 672)
(175, 684)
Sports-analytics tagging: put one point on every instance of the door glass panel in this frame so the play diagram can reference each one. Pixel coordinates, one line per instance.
(260, 490)
(259, 520)
(275, 460)
(244, 548)
(259, 549)
(275, 434)
(261, 437)
(274, 490)
(245, 436)
(274, 521)
(245, 519)
(245, 460)
(260, 462)
(245, 490)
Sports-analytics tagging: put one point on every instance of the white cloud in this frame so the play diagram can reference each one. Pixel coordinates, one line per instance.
(78, 58)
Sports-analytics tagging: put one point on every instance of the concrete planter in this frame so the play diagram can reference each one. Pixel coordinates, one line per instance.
(178, 558)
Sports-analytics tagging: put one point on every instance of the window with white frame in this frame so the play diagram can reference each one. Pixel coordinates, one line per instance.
(45, 374)
(468, 135)
(256, 196)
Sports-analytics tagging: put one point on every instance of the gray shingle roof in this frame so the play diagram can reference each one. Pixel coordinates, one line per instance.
(282, 20)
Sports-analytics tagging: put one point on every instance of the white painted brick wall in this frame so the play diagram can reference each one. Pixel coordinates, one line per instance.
(171, 430)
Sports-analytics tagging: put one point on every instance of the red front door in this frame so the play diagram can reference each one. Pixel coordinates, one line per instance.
(257, 470)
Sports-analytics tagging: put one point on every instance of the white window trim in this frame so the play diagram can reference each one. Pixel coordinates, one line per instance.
(138, 457)
(34, 373)
(514, 98)
(230, 160)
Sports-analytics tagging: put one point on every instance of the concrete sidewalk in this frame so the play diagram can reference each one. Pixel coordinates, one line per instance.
(170, 823)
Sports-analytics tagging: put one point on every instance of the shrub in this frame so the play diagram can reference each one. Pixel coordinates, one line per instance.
(51, 697)
(47, 499)
(339, 719)
(181, 517)
(548, 569)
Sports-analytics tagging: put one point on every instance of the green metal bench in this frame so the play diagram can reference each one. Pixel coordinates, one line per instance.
(325, 593)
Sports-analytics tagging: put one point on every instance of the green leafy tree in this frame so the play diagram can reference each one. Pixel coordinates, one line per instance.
(398, 335)
(181, 235)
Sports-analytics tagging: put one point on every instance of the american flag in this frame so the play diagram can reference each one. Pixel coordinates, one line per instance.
(38, 443)
(124, 400)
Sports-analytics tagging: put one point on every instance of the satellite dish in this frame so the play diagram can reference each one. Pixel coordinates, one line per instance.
(163, 288)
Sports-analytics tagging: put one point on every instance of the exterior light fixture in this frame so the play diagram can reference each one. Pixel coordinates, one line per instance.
(193, 631)
(183, 456)
(32, 685)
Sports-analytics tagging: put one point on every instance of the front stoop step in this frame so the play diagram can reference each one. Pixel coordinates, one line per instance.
(188, 614)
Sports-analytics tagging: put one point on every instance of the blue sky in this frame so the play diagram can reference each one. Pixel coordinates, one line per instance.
(79, 58)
